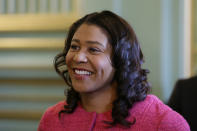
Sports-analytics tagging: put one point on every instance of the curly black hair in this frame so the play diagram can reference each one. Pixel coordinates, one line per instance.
(127, 59)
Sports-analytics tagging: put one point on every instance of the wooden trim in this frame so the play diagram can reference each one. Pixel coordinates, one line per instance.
(21, 114)
(36, 22)
(10, 67)
(32, 98)
(45, 81)
(31, 43)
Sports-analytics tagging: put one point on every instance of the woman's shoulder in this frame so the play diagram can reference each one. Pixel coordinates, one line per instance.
(55, 109)
(50, 118)
(153, 110)
(151, 101)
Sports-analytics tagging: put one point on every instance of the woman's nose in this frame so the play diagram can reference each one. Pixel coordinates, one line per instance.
(80, 57)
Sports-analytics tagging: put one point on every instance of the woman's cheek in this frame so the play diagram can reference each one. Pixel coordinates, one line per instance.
(68, 58)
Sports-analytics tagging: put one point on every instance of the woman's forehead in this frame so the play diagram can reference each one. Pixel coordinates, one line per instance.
(91, 32)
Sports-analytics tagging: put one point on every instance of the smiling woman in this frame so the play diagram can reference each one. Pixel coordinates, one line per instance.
(108, 87)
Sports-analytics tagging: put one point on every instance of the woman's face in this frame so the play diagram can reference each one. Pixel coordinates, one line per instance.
(89, 60)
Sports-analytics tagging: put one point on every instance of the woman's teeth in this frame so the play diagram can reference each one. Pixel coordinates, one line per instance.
(82, 72)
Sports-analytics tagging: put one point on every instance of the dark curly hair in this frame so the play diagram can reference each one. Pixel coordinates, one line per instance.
(127, 59)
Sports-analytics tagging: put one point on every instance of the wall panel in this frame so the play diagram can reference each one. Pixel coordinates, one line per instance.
(32, 33)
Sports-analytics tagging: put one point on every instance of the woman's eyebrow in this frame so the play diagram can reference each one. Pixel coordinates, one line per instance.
(88, 42)
(94, 42)
(76, 40)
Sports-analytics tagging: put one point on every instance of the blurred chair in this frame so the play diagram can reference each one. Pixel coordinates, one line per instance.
(184, 100)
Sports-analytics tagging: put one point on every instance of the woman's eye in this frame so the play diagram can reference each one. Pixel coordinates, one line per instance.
(94, 50)
(74, 47)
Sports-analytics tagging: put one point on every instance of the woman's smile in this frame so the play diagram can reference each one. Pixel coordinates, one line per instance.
(81, 74)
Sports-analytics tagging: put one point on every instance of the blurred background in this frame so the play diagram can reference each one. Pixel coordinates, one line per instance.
(32, 32)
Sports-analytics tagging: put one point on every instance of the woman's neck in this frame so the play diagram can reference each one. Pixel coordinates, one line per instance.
(99, 101)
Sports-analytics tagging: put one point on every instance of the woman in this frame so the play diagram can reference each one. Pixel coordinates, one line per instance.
(108, 88)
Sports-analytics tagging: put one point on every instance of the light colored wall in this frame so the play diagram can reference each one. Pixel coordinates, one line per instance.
(145, 17)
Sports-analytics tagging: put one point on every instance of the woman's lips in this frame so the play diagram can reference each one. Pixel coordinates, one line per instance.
(81, 74)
